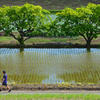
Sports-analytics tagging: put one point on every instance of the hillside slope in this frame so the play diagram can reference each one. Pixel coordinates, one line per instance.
(50, 4)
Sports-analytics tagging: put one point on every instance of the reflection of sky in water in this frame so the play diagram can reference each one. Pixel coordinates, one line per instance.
(48, 51)
(52, 79)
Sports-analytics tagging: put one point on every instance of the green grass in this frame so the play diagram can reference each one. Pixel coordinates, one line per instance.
(54, 11)
(59, 40)
(50, 97)
(75, 38)
(5, 38)
(78, 39)
(47, 1)
(11, 40)
(53, 6)
(39, 40)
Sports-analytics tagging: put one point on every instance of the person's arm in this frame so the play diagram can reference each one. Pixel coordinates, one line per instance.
(2, 80)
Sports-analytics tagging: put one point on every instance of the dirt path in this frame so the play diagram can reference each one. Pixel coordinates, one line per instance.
(52, 92)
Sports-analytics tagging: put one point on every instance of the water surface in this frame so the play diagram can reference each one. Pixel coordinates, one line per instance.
(51, 65)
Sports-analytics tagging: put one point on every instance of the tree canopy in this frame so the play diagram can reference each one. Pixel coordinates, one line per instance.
(30, 20)
(25, 19)
(84, 21)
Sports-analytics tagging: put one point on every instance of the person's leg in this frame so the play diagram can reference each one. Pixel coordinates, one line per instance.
(9, 89)
(1, 88)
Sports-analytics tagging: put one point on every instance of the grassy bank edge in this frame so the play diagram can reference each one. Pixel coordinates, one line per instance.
(50, 96)
(54, 11)
(42, 42)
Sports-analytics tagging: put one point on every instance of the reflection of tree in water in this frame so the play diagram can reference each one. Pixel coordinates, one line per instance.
(21, 49)
(88, 50)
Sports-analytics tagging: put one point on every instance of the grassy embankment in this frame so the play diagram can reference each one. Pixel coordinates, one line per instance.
(50, 97)
(50, 4)
(10, 40)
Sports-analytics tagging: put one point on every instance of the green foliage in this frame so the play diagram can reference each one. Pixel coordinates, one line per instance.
(3, 17)
(25, 19)
(30, 20)
(82, 21)
(68, 20)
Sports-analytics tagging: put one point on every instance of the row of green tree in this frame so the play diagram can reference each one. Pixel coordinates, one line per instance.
(30, 20)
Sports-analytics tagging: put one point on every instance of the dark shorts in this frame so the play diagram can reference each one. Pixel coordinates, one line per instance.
(5, 84)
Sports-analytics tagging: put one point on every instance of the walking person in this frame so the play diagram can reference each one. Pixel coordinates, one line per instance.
(4, 81)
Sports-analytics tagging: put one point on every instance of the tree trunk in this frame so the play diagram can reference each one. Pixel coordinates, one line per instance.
(88, 44)
(21, 40)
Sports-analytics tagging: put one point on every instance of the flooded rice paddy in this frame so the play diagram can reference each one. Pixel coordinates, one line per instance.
(50, 65)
